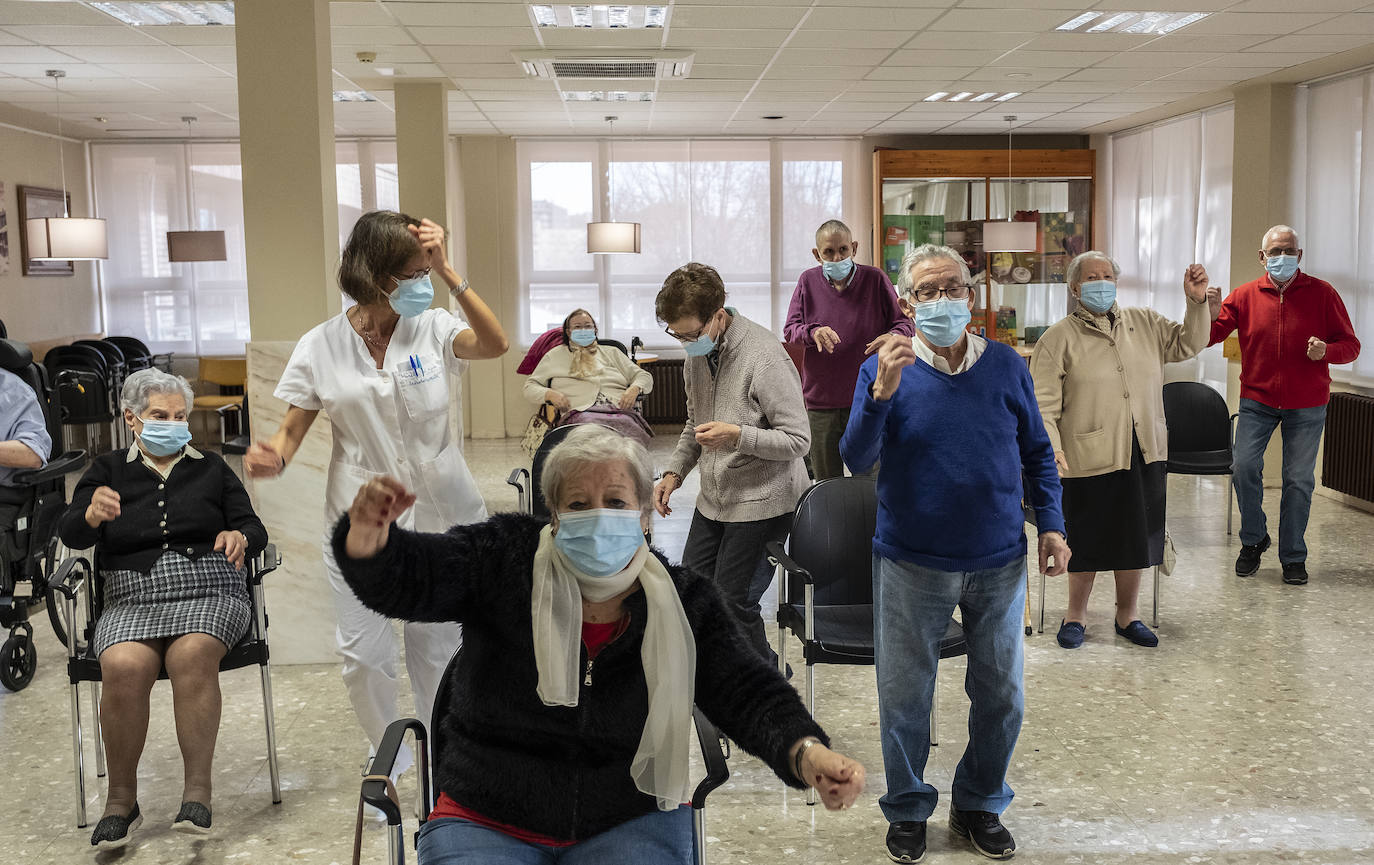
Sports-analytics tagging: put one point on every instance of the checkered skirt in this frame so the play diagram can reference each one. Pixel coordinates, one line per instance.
(178, 596)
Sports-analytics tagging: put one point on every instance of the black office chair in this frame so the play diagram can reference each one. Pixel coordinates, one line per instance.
(29, 510)
(614, 343)
(377, 792)
(828, 564)
(1202, 434)
(81, 376)
(77, 587)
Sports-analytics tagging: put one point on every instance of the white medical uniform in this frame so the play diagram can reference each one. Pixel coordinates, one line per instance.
(393, 420)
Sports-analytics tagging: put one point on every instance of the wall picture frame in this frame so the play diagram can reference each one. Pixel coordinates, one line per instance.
(36, 202)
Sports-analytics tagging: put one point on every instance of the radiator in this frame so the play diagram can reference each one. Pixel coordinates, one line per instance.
(667, 402)
(1348, 451)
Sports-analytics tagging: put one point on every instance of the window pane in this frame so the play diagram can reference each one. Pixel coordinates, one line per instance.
(550, 303)
(221, 287)
(812, 193)
(560, 208)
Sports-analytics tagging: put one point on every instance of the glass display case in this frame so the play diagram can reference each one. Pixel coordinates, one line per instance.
(946, 197)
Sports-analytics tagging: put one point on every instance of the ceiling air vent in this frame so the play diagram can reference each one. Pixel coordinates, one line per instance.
(599, 65)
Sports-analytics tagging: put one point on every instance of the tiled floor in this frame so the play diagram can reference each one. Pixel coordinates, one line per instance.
(1244, 738)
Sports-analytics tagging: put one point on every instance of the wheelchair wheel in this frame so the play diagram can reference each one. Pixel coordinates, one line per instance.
(18, 660)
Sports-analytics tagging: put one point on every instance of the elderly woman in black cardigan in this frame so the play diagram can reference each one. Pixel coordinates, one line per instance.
(172, 527)
(568, 723)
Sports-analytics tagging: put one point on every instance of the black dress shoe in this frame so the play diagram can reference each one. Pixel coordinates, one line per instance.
(192, 819)
(985, 830)
(112, 832)
(1248, 560)
(1295, 573)
(906, 841)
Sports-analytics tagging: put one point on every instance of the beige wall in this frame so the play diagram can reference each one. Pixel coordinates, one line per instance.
(45, 308)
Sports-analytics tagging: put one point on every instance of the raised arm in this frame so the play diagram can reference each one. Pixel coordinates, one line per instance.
(1181, 341)
(267, 459)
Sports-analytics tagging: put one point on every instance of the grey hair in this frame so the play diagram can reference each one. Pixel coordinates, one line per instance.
(832, 226)
(146, 382)
(1282, 229)
(1075, 272)
(591, 443)
(927, 252)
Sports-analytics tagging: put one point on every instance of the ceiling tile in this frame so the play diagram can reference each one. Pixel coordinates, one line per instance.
(116, 35)
(372, 37)
(481, 70)
(1280, 7)
(128, 53)
(718, 70)
(741, 16)
(1258, 61)
(461, 14)
(360, 13)
(1100, 74)
(388, 55)
(1025, 76)
(1236, 23)
(1004, 20)
(608, 40)
(1343, 25)
(37, 71)
(947, 41)
(181, 34)
(1161, 60)
(937, 57)
(1319, 45)
(695, 37)
(1213, 42)
(830, 73)
(734, 56)
(829, 57)
(1026, 60)
(165, 70)
(1072, 43)
(18, 12)
(512, 37)
(470, 54)
(870, 18)
(809, 38)
(917, 74)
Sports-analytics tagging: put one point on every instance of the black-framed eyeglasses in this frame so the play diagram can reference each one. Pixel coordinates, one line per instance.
(1287, 250)
(690, 337)
(416, 275)
(926, 292)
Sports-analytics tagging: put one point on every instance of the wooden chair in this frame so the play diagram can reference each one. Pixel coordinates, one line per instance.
(230, 376)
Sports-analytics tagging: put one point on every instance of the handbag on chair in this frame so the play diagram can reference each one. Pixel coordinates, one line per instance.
(545, 418)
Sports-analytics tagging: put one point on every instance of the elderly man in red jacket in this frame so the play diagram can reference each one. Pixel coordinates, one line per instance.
(1292, 327)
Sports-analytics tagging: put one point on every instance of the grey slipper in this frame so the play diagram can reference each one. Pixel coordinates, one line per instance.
(192, 819)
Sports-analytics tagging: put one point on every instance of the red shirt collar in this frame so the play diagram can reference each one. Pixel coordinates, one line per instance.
(1266, 281)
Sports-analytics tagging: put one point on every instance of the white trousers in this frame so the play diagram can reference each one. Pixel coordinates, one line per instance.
(368, 645)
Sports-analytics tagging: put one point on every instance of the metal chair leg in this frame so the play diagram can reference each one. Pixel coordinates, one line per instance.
(811, 708)
(1230, 491)
(782, 650)
(1154, 609)
(99, 733)
(934, 712)
(1042, 603)
(78, 757)
(270, 720)
(699, 831)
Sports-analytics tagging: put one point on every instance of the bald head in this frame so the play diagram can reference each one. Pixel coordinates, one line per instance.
(1280, 236)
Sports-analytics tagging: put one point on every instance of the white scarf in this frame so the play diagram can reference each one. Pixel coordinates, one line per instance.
(668, 653)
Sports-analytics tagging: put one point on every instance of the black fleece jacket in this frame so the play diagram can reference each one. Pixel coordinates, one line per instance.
(560, 771)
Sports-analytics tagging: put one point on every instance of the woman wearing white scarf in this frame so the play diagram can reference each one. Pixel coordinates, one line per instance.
(581, 750)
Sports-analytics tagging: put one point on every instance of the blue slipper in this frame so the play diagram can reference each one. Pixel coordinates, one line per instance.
(1070, 634)
(1137, 633)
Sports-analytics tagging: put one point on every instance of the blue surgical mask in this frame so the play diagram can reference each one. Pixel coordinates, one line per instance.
(838, 271)
(942, 321)
(162, 438)
(412, 296)
(583, 336)
(600, 542)
(1281, 267)
(1098, 295)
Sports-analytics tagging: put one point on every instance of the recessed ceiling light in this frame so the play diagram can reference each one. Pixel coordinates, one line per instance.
(353, 96)
(1005, 96)
(1018, 74)
(965, 95)
(936, 97)
(608, 96)
(983, 97)
(218, 12)
(1133, 23)
(599, 16)
(960, 97)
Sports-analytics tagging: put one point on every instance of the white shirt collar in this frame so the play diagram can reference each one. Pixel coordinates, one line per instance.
(976, 344)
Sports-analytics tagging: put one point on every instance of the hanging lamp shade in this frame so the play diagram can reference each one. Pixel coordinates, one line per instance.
(1009, 236)
(612, 237)
(196, 246)
(66, 238)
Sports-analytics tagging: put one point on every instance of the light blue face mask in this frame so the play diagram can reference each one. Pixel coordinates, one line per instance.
(412, 296)
(600, 542)
(942, 321)
(1098, 295)
(1281, 267)
(702, 345)
(162, 438)
(583, 336)
(838, 271)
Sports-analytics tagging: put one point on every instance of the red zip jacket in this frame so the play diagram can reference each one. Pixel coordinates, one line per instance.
(1274, 329)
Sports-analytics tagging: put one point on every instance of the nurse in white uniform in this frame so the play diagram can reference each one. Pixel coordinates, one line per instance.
(384, 371)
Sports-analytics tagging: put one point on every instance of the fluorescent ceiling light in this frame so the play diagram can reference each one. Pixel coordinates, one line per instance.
(936, 97)
(353, 96)
(608, 96)
(960, 97)
(1005, 96)
(599, 16)
(1075, 23)
(1133, 23)
(140, 14)
(983, 97)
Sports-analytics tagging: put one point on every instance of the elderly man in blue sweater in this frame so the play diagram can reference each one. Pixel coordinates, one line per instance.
(953, 421)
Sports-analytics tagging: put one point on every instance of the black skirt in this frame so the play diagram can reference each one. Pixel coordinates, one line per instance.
(1115, 522)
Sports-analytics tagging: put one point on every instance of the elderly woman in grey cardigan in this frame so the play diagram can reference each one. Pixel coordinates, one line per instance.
(746, 430)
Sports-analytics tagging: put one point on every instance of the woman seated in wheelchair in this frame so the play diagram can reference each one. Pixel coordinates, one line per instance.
(579, 373)
(565, 722)
(171, 527)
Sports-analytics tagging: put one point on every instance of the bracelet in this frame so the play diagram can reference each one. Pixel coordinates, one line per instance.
(797, 760)
(459, 289)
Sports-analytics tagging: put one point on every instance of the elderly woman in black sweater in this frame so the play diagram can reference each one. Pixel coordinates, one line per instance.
(172, 527)
(567, 723)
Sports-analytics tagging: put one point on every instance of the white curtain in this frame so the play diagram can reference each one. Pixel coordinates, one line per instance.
(1333, 183)
(1170, 206)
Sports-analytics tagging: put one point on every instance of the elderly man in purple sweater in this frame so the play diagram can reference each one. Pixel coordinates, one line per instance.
(839, 312)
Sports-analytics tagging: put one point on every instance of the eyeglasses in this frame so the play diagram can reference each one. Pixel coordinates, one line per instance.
(1287, 250)
(926, 292)
(690, 337)
(419, 274)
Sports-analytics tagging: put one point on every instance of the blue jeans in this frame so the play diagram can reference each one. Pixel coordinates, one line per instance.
(1302, 433)
(659, 838)
(912, 606)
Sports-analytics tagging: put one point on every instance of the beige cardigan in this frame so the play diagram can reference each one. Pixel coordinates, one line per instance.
(615, 374)
(1092, 385)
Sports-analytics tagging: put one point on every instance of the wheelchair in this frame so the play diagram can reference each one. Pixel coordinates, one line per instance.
(29, 510)
(76, 586)
(377, 789)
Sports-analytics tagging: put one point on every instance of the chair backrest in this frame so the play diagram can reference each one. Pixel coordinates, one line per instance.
(113, 355)
(538, 506)
(614, 343)
(61, 357)
(4, 333)
(131, 346)
(224, 371)
(1197, 417)
(832, 537)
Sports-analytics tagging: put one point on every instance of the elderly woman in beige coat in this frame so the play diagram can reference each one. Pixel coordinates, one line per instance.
(1099, 380)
